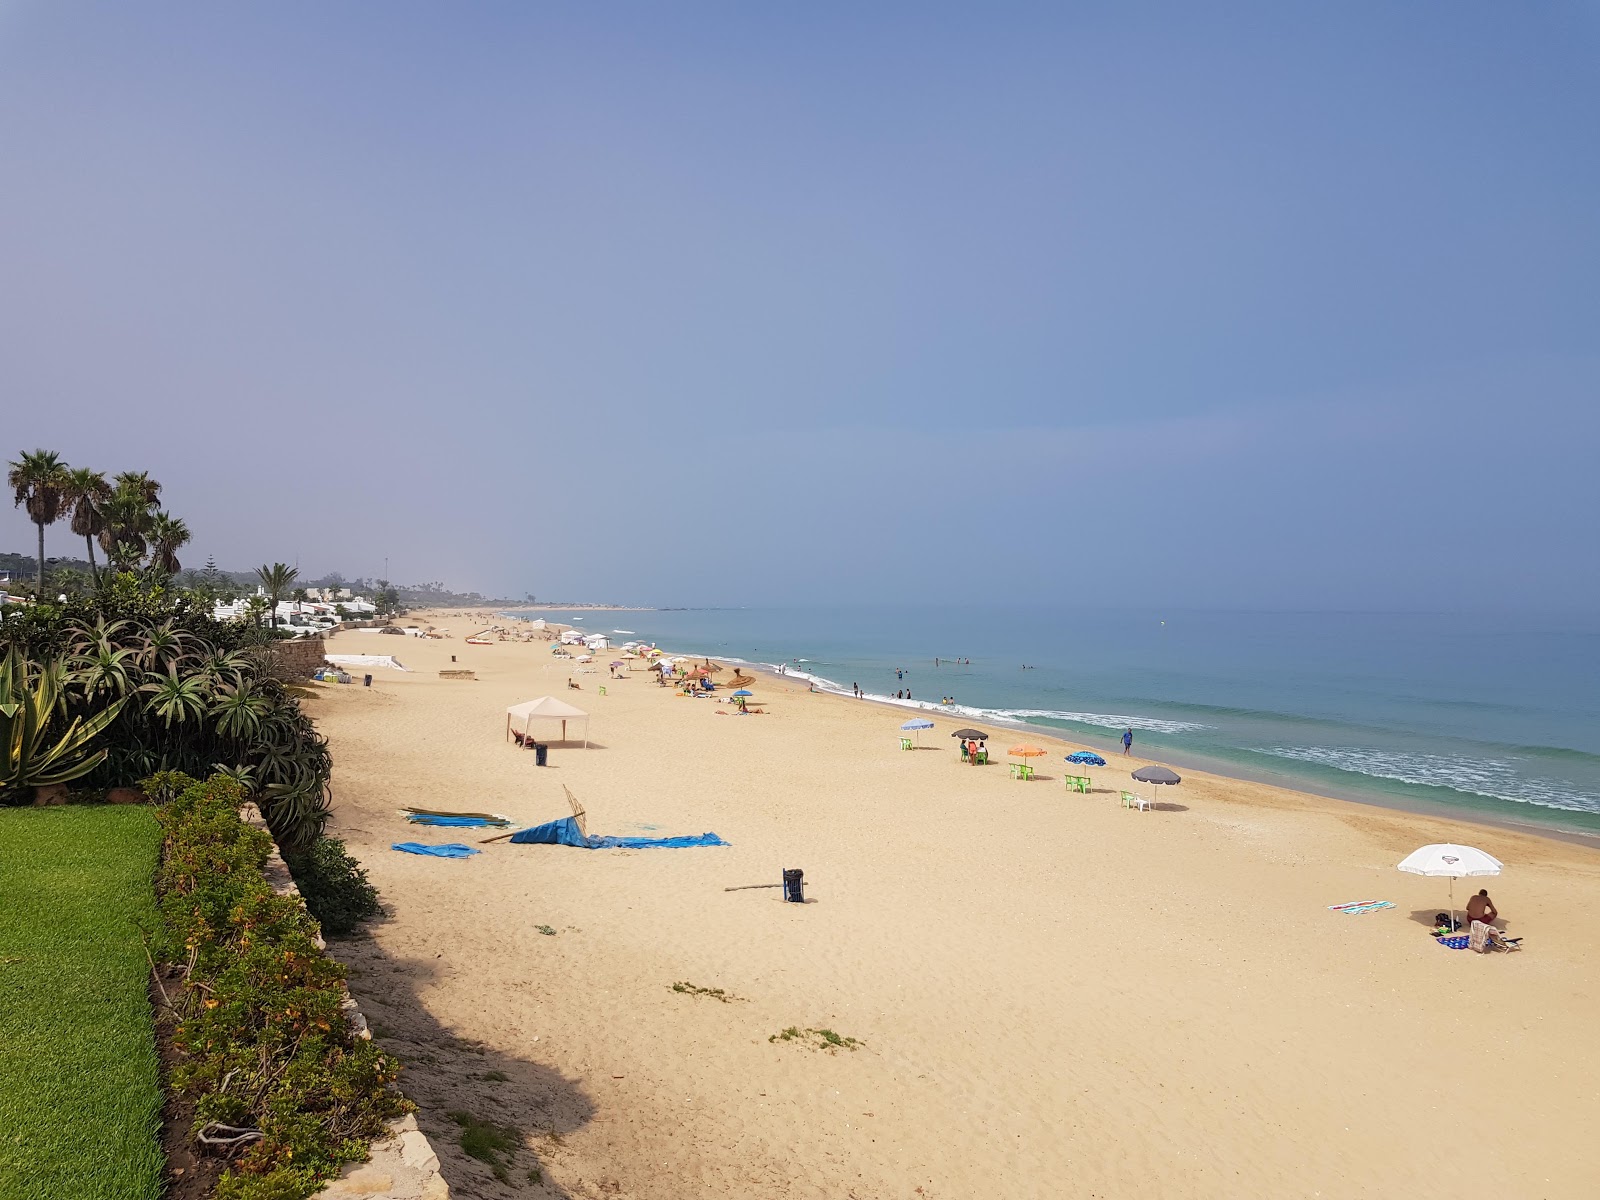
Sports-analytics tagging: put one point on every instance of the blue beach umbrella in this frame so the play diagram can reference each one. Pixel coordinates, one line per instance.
(1086, 758)
(744, 692)
(919, 724)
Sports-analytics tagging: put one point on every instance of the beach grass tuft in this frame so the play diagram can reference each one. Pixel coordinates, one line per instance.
(487, 1142)
(80, 1096)
(817, 1039)
(689, 989)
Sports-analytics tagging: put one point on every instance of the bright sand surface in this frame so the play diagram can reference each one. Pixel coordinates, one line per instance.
(1058, 996)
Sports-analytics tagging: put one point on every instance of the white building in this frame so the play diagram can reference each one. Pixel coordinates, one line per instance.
(307, 616)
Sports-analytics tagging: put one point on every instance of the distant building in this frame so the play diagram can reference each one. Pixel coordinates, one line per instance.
(306, 616)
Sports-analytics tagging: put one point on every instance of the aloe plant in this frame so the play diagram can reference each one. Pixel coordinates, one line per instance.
(31, 700)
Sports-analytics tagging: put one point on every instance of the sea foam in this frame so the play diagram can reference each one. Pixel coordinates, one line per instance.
(1493, 778)
(1011, 716)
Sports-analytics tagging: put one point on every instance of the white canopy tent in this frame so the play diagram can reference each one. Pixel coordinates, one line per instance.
(545, 708)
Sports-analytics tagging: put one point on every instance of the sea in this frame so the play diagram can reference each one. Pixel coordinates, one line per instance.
(1489, 717)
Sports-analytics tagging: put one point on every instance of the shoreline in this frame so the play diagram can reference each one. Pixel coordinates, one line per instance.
(1223, 769)
(1195, 762)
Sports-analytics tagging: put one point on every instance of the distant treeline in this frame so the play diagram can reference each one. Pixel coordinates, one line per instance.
(432, 594)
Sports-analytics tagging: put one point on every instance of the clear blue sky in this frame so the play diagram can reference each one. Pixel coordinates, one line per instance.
(1246, 305)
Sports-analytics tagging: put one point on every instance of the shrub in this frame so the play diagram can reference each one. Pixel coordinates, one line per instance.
(184, 692)
(260, 1027)
(334, 886)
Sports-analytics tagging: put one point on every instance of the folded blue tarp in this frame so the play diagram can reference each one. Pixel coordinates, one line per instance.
(468, 822)
(565, 832)
(448, 850)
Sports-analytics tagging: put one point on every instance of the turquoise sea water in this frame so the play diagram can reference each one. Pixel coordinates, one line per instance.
(1489, 716)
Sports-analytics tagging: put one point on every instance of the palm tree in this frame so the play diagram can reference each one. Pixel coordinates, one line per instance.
(127, 523)
(276, 581)
(299, 596)
(86, 494)
(39, 480)
(139, 483)
(168, 535)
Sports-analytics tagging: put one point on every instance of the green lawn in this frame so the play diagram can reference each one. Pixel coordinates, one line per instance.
(80, 1097)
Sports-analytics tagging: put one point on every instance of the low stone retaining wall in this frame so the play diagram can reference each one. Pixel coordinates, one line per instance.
(299, 657)
(402, 1166)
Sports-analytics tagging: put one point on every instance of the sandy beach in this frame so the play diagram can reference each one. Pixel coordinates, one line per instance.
(1055, 996)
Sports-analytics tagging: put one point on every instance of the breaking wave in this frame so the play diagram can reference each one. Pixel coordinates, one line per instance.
(1492, 778)
(1016, 716)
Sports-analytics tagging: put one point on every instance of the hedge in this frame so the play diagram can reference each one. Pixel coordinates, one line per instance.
(265, 1049)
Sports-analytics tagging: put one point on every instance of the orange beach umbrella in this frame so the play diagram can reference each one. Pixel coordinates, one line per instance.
(1026, 751)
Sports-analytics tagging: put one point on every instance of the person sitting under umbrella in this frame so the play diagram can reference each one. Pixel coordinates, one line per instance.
(1481, 908)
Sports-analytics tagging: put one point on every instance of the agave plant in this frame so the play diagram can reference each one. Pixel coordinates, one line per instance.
(31, 701)
(103, 671)
(164, 646)
(239, 709)
(226, 668)
(176, 699)
(244, 776)
(92, 639)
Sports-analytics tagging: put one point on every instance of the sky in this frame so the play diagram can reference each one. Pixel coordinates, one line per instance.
(1266, 305)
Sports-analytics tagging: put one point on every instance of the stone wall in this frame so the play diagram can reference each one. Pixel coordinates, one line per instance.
(299, 658)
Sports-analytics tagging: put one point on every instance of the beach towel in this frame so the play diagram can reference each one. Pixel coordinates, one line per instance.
(566, 832)
(448, 850)
(1360, 906)
(1452, 943)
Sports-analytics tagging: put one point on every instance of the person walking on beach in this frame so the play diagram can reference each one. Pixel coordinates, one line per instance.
(856, 688)
(1127, 741)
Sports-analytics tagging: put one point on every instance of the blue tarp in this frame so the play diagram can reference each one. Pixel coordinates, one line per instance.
(565, 832)
(468, 822)
(448, 850)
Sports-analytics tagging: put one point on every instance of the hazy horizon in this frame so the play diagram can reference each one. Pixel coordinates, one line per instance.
(1250, 307)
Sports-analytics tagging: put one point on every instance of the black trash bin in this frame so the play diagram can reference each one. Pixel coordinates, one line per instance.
(541, 754)
(794, 888)
(366, 681)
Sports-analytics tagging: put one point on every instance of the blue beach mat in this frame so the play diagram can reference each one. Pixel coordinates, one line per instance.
(1452, 943)
(460, 822)
(448, 850)
(565, 832)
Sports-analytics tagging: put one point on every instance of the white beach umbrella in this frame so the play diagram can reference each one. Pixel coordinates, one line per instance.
(1453, 862)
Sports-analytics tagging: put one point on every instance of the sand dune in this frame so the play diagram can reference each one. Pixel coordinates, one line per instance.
(1056, 996)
